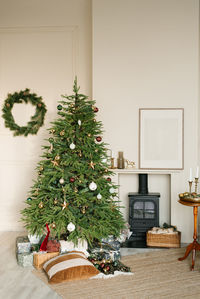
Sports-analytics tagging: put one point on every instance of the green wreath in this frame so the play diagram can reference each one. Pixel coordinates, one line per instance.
(37, 119)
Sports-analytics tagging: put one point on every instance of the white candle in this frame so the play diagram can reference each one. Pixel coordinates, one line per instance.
(197, 173)
(190, 178)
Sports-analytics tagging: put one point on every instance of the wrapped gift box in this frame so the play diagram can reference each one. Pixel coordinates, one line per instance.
(25, 259)
(40, 258)
(106, 252)
(111, 241)
(23, 245)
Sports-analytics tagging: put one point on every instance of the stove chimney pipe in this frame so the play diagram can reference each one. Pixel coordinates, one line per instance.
(143, 183)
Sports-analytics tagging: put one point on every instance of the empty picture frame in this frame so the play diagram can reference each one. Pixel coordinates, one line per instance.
(161, 137)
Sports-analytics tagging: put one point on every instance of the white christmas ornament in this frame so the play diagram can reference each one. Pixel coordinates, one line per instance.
(92, 186)
(79, 122)
(61, 181)
(104, 160)
(72, 146)
(112, 190)
(99, 196)
(70, 227)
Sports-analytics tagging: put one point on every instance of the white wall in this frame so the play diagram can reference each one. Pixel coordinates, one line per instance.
(145, 54)
(43, 45)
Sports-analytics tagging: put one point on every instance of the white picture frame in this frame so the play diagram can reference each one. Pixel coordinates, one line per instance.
(161, 138)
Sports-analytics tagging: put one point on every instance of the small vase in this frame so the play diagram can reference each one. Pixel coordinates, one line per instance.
(120, 161)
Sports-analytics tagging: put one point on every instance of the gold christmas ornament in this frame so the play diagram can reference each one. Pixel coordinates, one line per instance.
(75, 190)
(57, 157)
(64, 205)
(62, 133)
(92, 164)
(55, 163)
(53, 225)
(41, 205)
(36, 193)
(52, 131)
(83, 210)
(89, 135)
(41, 168)
(7, 105)
(55, 201)
(51, 147)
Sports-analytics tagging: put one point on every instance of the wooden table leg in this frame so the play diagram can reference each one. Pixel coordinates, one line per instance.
(194, 245)
(187, 252)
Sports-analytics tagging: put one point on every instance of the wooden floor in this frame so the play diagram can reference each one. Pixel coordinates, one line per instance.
(19, 283)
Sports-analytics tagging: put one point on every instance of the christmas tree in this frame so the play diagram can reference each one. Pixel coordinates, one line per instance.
(73, 192)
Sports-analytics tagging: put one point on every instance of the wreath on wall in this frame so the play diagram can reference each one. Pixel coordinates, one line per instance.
(37, 119)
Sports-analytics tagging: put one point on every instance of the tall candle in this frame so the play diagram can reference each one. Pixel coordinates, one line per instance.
(197, 173)
(190, 178)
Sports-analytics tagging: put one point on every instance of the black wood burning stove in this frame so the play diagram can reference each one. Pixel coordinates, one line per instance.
(143, 213)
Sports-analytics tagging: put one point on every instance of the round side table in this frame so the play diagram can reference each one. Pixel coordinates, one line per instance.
(194, 245)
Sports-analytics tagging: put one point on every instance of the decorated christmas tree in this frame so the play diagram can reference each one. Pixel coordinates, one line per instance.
(74, 193)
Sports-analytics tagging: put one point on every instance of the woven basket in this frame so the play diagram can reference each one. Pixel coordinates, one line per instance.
(40, 258)
(164, 240)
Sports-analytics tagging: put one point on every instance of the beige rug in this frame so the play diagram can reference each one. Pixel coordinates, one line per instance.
(156, 275)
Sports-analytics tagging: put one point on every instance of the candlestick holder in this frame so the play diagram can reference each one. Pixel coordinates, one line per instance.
(196, 183)
(112, 163)
(190, 186)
